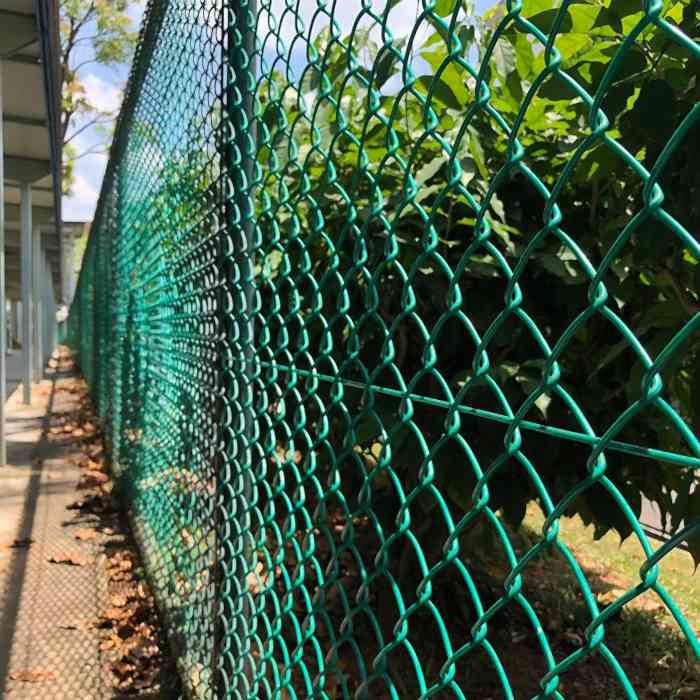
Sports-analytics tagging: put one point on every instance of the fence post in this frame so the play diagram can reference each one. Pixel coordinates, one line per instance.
(38, 299)
(27, 294)
(3, 341)
(236, 266)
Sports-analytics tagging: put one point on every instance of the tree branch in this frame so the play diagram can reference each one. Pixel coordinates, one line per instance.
(79, 40)
(101, 118)
(75, 69)
(92, 152)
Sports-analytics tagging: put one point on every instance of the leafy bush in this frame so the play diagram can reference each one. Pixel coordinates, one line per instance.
(422, 237)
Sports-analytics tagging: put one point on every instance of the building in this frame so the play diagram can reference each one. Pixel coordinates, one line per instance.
(30, 179)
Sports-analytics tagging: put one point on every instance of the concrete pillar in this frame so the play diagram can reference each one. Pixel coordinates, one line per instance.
(26, 282)
(37, 310)
(18, 322)
(49, 335)
(3, 339)
(71, 270)
(67, 267)
(65, 264)
(14, 326)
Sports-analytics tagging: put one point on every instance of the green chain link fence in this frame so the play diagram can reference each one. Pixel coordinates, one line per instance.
(373, 287)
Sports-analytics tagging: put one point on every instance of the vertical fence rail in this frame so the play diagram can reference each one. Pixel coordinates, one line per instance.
(390, 311)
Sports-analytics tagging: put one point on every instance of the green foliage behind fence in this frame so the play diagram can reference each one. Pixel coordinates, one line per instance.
(366, 281)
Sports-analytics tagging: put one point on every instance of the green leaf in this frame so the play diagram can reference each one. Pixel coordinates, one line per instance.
(564, 266)
(544, 21)
(441, 91)
(386, 65)
(627, 7)
(607, 17)
(646, 114)
(443, 8)
(477, 152)
(504, 57)
(428, 170)
(466, 34)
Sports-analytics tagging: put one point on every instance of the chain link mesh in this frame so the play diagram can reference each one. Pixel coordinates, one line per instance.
(353, 297)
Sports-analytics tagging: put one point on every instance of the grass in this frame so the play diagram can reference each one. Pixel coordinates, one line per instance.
(644, 636)
(616, 565)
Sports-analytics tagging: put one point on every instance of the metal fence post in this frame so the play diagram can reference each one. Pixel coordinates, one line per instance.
(38, 305)
(3, 340)
(236, 316)
(26, 273)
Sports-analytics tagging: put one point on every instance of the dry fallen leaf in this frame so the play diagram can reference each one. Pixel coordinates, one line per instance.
(114, 614)
(94, 451)
(85, 534)
(258, 579)
(92, 465)
(79, 625)
(145, 650)
(95, 477)
(29, 675)
(70, 559)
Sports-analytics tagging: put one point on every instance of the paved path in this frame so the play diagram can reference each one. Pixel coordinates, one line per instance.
(14, 371)
(42, 603)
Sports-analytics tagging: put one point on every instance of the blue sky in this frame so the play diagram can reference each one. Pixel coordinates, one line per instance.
(104, 88)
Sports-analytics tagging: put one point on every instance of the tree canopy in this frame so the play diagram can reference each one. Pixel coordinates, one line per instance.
(92, 32)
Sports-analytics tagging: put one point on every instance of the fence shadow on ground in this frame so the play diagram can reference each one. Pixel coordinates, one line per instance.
(52, 570)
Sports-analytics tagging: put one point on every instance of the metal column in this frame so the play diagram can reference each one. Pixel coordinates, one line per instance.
(71, 269)
(14, 326)
(65, 266)
(36, 292)
(26, 271)
(3, 339)
(49, 319)
(18, 329)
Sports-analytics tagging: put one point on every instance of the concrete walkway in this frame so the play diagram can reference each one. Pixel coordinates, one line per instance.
(46, 649)
(14, 372)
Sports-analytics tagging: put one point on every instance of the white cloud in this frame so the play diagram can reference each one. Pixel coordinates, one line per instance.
(103, 95)
(80, 206)
(402, 17)
(89, 171)
(135, 13)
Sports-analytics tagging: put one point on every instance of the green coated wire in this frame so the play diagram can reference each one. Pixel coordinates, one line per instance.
(241, 319)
